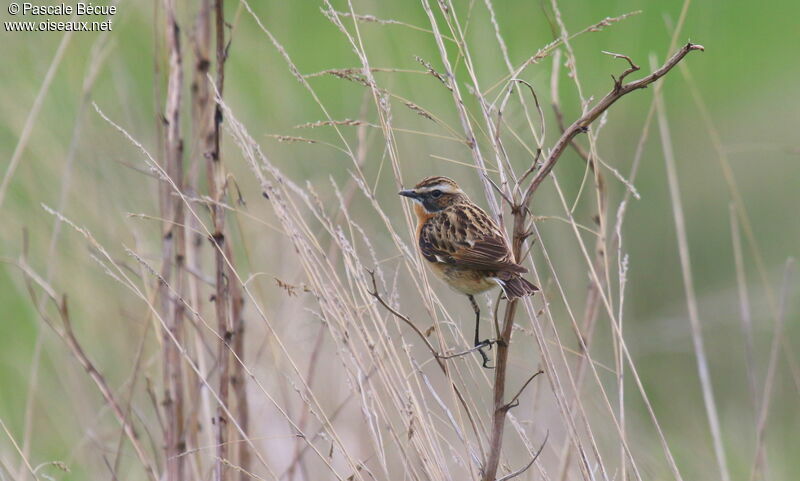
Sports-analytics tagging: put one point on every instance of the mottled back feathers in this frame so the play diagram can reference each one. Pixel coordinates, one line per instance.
(463, 234)
(462, 243)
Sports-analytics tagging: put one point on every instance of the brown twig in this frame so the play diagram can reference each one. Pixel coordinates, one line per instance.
(515, 399)
(239, 375)
(580, 125)
(68, 336)
(520, 233)
(374, 293)
(527, 466)
(632, 68)
(173, 253)
(462, 353)
(222, 299)
(461, 399)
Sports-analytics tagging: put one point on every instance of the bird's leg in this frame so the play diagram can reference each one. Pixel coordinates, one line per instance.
(478, 343)
(477, 311)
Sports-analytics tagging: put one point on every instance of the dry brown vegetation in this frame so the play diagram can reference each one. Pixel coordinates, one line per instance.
(385, 386)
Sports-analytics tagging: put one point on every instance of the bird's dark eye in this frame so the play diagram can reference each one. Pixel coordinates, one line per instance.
(436, 194)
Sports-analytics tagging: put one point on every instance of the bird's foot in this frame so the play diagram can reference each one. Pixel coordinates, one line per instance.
(485, 362)
(479, 346)
(487, 343)
(490, 342)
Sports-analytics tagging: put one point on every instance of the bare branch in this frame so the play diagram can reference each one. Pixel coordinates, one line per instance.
(592, 114)
(374, 293)
(633, 68)
(515, 399)
(464, 352)
(525, 468)
(459, 395)
(520, 233)
(69, 338)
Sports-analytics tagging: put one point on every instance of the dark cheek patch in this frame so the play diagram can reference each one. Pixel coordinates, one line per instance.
(431, 205)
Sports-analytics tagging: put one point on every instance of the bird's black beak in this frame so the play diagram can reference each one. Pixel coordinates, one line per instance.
(408, 193)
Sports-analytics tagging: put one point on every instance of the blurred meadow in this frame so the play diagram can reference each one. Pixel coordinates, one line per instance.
(699, 290)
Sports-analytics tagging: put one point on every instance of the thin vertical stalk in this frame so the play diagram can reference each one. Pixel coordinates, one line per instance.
(228, 298)
(222, 298)
(239, 375)
(501, 362)
(173, 252)
(691, 298)
(759, 464)
(520, 232)
(201, 108)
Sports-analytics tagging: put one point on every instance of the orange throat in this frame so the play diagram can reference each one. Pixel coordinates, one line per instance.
(422, 216)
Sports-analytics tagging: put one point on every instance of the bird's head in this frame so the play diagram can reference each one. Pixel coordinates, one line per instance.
(435, 193)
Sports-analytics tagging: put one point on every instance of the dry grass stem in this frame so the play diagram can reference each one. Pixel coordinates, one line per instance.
(691, 298)
(266, 312)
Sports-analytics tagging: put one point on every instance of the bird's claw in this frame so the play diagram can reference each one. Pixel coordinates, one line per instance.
(488, 344)
(485, 362)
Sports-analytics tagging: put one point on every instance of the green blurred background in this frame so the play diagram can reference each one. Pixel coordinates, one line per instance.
(747, 77)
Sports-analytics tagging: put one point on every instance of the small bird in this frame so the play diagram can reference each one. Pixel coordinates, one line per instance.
(464, 247)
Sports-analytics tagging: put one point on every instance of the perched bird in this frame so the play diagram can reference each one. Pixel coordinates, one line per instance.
(463, 246)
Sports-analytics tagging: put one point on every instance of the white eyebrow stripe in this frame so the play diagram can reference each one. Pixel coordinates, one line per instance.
(444, 187)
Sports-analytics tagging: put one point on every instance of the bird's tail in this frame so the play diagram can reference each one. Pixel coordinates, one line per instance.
(518, 286)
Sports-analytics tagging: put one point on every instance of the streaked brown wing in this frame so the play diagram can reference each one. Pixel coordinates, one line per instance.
(464, 235)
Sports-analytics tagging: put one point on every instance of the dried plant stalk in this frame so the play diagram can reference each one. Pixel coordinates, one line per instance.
(173, 254)
(520, 233)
